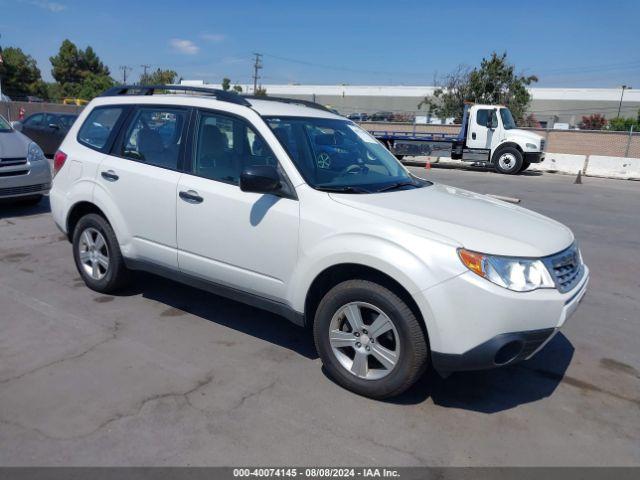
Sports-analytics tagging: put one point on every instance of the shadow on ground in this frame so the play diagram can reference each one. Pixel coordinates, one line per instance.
(486, 391)
(13, 208)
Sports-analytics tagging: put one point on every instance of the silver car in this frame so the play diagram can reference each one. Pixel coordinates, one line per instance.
(25, 173)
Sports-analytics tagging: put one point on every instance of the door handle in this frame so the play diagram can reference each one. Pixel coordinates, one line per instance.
(473, 135)
(191, 196)
(110, 175)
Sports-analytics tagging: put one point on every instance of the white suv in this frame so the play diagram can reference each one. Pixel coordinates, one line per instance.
(283, 205)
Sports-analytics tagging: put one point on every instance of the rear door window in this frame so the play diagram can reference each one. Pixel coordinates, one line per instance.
(99, 126)
(34, 120)
(155, 136)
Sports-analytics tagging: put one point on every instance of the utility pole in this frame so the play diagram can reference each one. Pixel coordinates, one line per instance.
(144, 69)
(124, 69)
(257, 65)
(624, 87)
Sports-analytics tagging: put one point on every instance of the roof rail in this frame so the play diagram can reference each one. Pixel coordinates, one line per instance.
(293, 101)
(222, 95)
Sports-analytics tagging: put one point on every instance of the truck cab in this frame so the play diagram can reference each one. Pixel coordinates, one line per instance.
(489, 134)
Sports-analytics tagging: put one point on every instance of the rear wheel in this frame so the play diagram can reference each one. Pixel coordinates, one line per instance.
(97, 255)
(369, 340)
(508, 160)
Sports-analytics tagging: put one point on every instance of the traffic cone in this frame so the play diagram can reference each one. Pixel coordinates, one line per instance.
(578, 178)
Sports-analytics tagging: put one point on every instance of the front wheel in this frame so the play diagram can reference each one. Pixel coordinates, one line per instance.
(369, 340)
(508, 160)
(525, 164)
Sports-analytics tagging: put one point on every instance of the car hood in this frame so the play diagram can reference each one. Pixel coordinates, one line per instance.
(13, 145)
(516, 132)
(476, 222)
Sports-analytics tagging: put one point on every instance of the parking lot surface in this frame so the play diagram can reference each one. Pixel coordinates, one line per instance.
(163, 374)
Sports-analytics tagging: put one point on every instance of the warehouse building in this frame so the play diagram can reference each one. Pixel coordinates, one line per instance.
(549, 105)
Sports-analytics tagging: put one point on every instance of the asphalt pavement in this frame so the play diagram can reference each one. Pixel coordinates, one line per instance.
(163, 374)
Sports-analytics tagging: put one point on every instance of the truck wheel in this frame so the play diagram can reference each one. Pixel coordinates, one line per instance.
(508, 160)
(97, 255)
(369, 340)
(525, 164)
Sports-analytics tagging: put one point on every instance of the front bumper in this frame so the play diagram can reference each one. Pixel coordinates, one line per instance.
(36, 180)
(474, 324)
(534, 157)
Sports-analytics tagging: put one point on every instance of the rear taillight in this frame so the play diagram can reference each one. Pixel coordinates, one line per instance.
(58, 161)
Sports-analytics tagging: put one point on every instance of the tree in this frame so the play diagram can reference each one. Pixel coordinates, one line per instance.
(260, 92)
(623, 124)
(238, 88)
(20, 74)
(226, 84)
(78, 71)
(494, 82)
(159, 77)
(595, 121)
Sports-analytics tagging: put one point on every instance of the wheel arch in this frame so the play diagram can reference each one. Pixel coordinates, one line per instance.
(335, 274)
(502, 146)
(79, 210)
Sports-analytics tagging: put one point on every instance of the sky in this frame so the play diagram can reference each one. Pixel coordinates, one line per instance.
(395, 42)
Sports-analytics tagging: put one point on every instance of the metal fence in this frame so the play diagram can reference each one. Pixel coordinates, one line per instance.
(577, 142)
(11, 110)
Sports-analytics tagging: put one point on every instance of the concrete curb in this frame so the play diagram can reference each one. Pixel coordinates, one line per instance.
(588, 165)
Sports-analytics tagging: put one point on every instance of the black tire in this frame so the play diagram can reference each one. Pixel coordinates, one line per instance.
(30, 200)
(413, 349)
(117, 275)
(512, 163)
(398, 156)
(525, 164)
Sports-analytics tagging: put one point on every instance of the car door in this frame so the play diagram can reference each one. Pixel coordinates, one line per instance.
(32, 127)
(479, 134)
(237, 239)
(140, 176)
(52, 133)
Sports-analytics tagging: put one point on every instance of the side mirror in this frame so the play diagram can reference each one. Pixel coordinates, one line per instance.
(260, 179)
(17, 126)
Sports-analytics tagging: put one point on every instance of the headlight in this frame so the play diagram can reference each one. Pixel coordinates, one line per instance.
(517, 274)
(532, 146)
(34, 153)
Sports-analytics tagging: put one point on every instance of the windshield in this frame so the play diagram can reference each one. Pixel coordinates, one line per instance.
(507, 119)
(4, 125)
(338, 155)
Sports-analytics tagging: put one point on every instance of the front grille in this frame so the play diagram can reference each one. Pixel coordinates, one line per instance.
(13, 173)
(21, 190)
(10, 162)
(542, 143)
(566, 268)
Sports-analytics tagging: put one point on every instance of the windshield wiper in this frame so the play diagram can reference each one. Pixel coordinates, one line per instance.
(393, 186)
(345, 189)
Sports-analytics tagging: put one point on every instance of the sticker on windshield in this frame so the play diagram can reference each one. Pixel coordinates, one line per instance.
(364, 136)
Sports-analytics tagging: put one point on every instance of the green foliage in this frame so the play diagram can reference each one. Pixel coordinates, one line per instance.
(20, 75)
(260, 92)
(159, 77)
(226, 84)
(494, 82)
(79, 73)
(623, 124)
(238, 89)
(595, 121)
